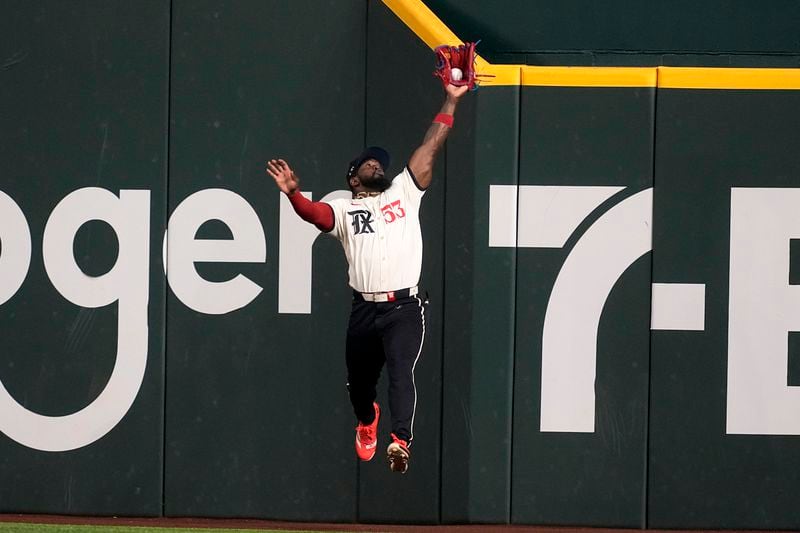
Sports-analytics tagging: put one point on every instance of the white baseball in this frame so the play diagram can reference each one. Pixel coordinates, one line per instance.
(456, 74)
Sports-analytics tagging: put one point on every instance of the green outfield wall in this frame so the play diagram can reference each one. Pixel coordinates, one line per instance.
(720, 33)
(610, 256)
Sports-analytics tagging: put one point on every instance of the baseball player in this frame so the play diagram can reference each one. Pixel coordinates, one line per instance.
(380, 232)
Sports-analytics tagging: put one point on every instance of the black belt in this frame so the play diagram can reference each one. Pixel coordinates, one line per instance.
(389, 296)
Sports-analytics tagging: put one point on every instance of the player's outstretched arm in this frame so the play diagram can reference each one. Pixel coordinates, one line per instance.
(421, 162)
(318, 213)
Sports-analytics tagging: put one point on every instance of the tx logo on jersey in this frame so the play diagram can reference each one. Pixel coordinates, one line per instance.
(362, 221)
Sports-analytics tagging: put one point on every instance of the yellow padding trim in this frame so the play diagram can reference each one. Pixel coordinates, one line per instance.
(728, 78)
(423, 22)
(498, 74)
(589, 76)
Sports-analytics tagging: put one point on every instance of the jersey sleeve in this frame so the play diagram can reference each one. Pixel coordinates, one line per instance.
(409, 186)
(338, 207)
(318, 213)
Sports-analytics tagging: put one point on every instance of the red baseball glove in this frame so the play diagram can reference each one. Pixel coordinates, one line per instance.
(461, 57)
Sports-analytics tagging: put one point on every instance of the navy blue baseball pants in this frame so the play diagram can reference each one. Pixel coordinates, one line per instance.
(390, 333)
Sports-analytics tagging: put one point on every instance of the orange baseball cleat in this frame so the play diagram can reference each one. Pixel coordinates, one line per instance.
(367, 437)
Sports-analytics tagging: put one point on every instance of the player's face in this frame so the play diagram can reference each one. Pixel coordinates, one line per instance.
(371, 175)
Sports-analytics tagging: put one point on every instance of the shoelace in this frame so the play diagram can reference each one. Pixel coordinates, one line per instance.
(365, 433)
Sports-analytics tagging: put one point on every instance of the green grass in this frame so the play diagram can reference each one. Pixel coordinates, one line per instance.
(61, 528)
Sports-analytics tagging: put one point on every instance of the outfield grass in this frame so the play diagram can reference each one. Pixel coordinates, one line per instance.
(61, 528)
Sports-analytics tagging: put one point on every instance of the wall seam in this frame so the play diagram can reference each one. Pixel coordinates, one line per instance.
(646, 482)
(165, 302)
(510, 471)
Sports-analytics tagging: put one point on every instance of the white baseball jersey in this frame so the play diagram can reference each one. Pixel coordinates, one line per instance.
(381, 236)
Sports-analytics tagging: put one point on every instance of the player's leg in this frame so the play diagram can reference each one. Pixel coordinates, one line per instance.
(364, 357)
(403, 337)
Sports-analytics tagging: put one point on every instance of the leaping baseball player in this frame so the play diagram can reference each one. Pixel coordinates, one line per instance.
(380, 232)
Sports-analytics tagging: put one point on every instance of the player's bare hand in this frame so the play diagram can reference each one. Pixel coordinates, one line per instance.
(454, 92)
(280, 171)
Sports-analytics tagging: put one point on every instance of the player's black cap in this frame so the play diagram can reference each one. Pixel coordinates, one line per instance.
(373, 152)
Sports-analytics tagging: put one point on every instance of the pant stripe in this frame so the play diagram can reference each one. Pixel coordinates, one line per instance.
(419, 352)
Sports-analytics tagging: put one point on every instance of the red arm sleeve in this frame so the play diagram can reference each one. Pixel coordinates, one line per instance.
(318, 213)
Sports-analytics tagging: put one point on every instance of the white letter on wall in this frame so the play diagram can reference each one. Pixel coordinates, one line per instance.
(569, 340)
(248, 245)
(127, 283)
(763, 308)
(15, 238)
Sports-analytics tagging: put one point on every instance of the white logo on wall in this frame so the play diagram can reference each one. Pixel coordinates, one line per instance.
(763, 307)
(762, 222)
(127, 283)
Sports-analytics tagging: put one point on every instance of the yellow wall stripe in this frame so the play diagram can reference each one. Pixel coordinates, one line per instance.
(433, 32)
(728, 78)
(589, 76)
(498, 74)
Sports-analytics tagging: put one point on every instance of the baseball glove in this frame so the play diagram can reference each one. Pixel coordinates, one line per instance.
(461, 57)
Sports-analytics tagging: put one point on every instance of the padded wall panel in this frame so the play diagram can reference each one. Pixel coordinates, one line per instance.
(709, 142)
(479, 314)
(83, 100)
(401, 101)
(258, 420)
(578, 474)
